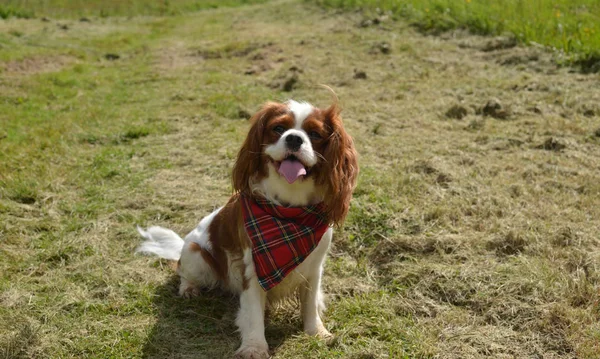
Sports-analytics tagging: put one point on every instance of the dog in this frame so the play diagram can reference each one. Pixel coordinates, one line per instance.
(293, 181)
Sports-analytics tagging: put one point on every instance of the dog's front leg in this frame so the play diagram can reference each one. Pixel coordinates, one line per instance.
(311, 297)
(311, 301)
(251, 323)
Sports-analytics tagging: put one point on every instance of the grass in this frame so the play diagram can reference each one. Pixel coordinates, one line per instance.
(468, 237)
(571, 27)
(7, 11)
(74, 9)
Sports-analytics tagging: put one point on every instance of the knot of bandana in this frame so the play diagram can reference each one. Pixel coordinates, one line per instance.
(282, 237)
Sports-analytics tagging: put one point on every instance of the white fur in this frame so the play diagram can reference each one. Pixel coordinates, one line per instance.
(276, 189)
(279, 151)
(195, 274)
(200, 233)
(162, 242)
(306, 277)
(250, 319)
(301, 111)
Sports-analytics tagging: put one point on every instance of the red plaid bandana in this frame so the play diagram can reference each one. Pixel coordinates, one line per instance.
(282, 237)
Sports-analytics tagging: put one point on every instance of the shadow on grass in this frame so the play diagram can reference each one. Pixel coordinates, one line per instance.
(202, 327)
(17, 346)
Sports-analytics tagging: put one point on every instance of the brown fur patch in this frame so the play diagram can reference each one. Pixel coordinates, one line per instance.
(339, 169)
(228, 237)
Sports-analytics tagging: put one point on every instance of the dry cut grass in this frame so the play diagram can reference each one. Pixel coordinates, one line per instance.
(474, 231)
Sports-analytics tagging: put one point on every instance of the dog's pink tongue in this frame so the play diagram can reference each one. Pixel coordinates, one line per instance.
(291, 170)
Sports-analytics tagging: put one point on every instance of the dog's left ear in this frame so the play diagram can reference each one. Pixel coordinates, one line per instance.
(250, 160)
(341, 167)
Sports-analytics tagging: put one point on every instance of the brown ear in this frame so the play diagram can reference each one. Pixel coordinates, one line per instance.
(250, 159)
(341, 168)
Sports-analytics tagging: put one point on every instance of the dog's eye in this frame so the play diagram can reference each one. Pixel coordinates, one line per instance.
(279, 129)
(314, 135)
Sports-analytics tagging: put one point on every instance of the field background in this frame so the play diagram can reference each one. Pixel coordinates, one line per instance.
(475, 227)
(570, 28)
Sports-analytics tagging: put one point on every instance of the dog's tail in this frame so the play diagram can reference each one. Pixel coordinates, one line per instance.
(162, 242)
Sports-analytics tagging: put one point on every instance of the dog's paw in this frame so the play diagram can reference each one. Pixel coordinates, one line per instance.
(324, 334)
(189, 292)
(252, 352)
(319, 332)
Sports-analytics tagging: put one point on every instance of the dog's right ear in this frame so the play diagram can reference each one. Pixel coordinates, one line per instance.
(250, 161)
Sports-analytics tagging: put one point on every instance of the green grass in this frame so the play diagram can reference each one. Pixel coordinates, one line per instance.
(466, 238)
(8, 11)
(78, 8)
(572, 27)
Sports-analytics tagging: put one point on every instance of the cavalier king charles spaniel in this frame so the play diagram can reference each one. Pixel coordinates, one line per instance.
(293, 180)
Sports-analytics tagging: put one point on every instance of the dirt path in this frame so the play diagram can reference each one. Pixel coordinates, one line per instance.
(474, 229)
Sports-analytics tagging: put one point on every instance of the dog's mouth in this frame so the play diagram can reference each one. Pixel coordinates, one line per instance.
(291, 168)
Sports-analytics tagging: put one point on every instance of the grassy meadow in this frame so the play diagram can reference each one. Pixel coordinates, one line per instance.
(104, 8)
(474, 230)
(570, 27)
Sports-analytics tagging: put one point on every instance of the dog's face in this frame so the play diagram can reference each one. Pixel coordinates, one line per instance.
(291, 139)
(295, 151)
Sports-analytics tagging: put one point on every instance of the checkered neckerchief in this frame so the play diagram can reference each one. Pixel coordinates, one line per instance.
(282, 237)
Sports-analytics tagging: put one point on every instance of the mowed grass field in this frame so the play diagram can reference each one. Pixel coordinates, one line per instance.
(571, 28)
(474, 230)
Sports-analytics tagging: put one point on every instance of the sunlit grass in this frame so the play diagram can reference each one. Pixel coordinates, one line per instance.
(466, 237)
(572, 27)
(103, 8)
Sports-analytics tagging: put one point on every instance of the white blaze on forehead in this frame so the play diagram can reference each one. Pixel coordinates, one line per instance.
(301, 110)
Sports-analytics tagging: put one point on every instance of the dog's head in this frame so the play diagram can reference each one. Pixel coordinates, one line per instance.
(297, 154)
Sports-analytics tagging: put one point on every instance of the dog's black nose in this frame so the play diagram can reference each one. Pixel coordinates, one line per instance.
(293, 142)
